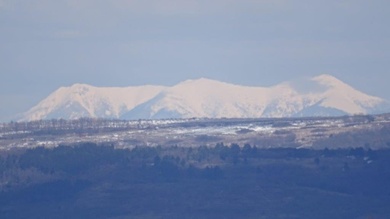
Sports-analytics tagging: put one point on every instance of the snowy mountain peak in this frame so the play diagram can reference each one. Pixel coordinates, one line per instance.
(322, 95)
(328, 80)
(201, 82)
(326, 77)
(79, 85)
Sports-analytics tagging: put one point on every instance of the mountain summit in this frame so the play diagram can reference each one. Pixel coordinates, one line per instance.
(323, 95)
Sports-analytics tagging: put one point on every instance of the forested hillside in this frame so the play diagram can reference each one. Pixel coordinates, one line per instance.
(225, 181)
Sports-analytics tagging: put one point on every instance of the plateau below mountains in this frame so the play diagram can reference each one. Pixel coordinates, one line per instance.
(365, 131)
(323, 95)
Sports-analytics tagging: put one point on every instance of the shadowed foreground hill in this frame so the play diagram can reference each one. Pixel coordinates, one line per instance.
(90, 181)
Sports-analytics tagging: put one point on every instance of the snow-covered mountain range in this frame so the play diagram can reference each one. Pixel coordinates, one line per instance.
(323, 95)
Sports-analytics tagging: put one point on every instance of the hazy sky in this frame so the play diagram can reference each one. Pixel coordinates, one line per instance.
(45, 44)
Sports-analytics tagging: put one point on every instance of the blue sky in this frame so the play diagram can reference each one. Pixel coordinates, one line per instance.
(46, 44)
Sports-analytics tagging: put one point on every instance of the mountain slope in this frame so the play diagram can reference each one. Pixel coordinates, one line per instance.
(208, 98)
(81, 100)
(342, 96)
(323, 95)
(205, 98)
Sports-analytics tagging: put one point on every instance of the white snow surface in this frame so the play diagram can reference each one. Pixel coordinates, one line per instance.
(342, 96)
(114, 100)
(202, 98)
(209, 98)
